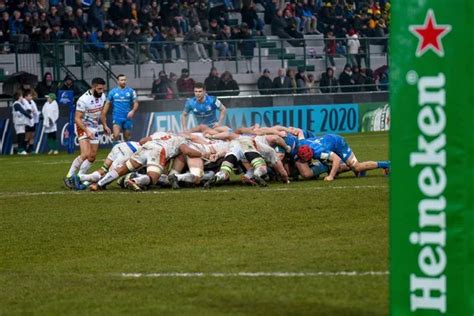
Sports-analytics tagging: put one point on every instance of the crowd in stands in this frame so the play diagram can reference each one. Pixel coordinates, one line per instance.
(156, 26)
(99, 22)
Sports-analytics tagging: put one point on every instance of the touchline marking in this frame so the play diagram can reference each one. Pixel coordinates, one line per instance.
(19, 194)
(252, 274)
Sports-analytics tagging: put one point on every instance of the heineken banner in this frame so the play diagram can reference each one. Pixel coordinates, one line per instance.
(432, 147)
(374, 117)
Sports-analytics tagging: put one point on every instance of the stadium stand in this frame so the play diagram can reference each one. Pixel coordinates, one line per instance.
(141, 37)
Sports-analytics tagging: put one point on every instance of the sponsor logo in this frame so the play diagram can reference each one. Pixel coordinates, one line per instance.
(428, 287)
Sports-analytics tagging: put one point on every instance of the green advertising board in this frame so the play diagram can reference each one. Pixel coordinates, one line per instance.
(432, 148)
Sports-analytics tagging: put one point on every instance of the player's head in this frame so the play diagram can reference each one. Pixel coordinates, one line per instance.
(122, 80)
(98, 87)
(199, 91)
(305, 153)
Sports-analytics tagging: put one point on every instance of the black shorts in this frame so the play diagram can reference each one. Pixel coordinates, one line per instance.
(30, 128)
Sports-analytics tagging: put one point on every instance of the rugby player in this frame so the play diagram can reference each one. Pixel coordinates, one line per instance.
(333, 149)
(125, 104)
(88, 111)
(204, 108)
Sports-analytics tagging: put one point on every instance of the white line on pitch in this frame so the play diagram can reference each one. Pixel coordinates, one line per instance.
(252, 274)
(17, 194)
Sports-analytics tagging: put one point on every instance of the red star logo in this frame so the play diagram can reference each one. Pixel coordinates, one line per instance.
(429, 35)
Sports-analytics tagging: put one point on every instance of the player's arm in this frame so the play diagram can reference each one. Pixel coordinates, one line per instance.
(145, 140)
(192, 153)
(184, 119)
(80, 124)
(133, 110)
(277, 140)
(103, 116)
(280, 169)
(222, 110)
(336, 162)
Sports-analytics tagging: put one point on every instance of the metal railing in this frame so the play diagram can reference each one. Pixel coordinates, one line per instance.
(292, 52)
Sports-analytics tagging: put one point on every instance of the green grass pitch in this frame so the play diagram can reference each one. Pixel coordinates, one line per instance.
(64, 252)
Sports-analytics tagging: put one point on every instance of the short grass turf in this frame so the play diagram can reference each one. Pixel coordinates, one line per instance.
(64, 252)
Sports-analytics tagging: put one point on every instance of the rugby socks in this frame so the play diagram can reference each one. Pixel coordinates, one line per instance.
(163, 179)
(383, 164)
(74, 166)
(109, 177)
(249, 173)
(93, 177)
(86, 164)
(186, 177)
(142, 180)
(260, 171)
(221, 176)
(207, 175)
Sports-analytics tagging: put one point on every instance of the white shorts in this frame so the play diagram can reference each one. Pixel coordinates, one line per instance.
(151, 155)
(81, 134)
(19, 129)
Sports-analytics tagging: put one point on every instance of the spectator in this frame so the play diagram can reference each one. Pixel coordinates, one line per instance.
(81, 23)
(96, 16)
(330, 47)
(171, 39)
(185, 84)
(162, 87)
(291, 73)
(345, 79)
(53, 17)
(282, 84)
(247, 46)
(174, 84)
(68, 84)
(50, 116)
(384, 80)
(141, 45)
(156, 46)
(203, 14)
(264, 83)
(21, 116)
(121, 49)
(328, 84)
(224, 45)
(212, 81)
(97, 45)
(311, 84)
(118, 15)
(227, 85)
(214, 32)
(32, 123)
(353, 46)
(292, 29)
(301, 81)
(369, 81)
(4, 32)
(279, 26)
(196, 36)
(358, 78)
(46, 86)
(250, 17)
(68, 18)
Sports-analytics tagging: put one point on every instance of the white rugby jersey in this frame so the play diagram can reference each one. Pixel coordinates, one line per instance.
(169, 142)
(91, 107)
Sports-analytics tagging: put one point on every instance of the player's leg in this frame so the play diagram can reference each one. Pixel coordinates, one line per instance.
(226, 169)
(360, 167)
(92, 147)
(116, 130)
(151, 177)
(127, 129)
(84, 147)
(196, 172)
(259, 166)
